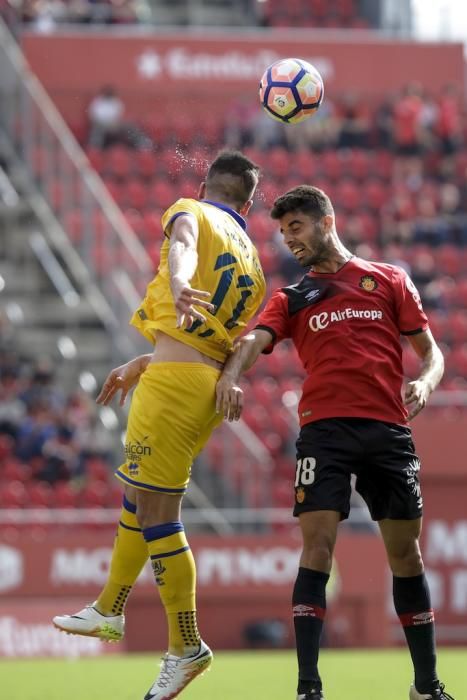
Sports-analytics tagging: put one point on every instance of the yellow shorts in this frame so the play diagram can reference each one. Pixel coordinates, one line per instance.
(172, 415)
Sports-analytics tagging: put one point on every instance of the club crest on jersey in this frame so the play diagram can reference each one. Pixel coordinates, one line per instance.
(300, 494)
(368, 283)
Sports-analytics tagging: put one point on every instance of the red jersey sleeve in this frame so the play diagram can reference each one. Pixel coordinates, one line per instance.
(275, 319)
(411, 317)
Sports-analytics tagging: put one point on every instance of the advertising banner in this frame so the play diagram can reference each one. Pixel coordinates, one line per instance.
(151, 71)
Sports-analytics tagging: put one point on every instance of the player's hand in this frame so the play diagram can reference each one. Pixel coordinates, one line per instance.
(229, 398)
(185, 299)
(123, 379)
(416, 397)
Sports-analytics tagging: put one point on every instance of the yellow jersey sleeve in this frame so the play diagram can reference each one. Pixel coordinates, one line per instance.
(181, 206)
(228, 268)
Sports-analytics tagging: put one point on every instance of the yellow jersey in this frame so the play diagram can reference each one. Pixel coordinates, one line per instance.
(228, 267)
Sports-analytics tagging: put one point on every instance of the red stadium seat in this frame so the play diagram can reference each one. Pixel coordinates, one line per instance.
(137, 194)
(13, 495)
(145, 164)
(448, 260)
(118, 162)
(40, 495)
(162, 194)
(331, 165)
(457, 361)
(348, 195)
(97, 470)
(375, 194)
(458, 326)
(153, 226)
(64, 495)
(94, 495)
(12, 469)
(96, 159)
(278, 165)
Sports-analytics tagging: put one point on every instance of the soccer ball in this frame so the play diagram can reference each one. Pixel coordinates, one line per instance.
(291, 90)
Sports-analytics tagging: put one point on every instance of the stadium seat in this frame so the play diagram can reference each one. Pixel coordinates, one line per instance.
(278, 165)
(145, 164)
(137, 194)
(13, 495)
(153, 226)
(96, 159)
(94, 495)
(118, 162)
(64, 495)
(458, 326)
(39, 495)
(162, 194)
(448, 260)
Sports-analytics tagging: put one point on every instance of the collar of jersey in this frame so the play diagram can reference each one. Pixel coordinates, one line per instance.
(234, 214)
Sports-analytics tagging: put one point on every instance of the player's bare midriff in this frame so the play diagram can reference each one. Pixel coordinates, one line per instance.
(167, 349)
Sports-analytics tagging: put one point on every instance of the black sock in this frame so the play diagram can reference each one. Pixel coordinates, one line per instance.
(413, 605)
(309, 608)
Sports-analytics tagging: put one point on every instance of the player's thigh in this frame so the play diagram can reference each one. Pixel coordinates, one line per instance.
(323, 469)
(389, 479)
(171, 407)
(153, 508)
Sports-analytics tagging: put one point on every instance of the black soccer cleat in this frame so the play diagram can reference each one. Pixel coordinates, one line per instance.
(436, 693)
(313, 694)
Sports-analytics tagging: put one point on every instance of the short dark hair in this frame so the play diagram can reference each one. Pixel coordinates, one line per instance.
(233, 176)
(304, 198)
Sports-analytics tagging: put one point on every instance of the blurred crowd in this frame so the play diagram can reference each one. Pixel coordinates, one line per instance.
(46, 434)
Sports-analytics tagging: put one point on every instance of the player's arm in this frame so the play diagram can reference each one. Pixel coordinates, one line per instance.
(418, 391)
(123, 379)
(229, 395)
(183, 260)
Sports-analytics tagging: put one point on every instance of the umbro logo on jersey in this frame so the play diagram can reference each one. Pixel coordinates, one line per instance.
(312, 295)
(319, 322)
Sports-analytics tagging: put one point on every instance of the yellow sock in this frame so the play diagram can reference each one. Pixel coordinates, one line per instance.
(129, 555)
(175, 574)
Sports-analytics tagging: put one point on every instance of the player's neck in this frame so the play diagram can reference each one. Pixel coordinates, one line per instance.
(338, 257)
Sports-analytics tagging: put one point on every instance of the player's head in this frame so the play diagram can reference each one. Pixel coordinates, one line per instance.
(232, 179)
(306, 218)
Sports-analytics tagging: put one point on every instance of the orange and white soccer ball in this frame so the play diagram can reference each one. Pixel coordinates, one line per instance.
(291, 90)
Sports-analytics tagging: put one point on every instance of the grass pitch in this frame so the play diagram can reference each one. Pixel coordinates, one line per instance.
(347, 675)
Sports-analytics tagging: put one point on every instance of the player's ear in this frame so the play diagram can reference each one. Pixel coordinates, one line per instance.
(246, 207)
(328, 222)
(202, 191)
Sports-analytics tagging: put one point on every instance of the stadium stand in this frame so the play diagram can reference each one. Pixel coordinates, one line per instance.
(396, 172)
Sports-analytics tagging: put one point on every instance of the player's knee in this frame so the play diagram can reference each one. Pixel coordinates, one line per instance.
(317, 553)
(406, 559)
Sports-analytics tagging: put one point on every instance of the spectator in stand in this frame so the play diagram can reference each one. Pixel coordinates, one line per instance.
(448, 126)
(354, 122)
(407, 117)
(107, 124)
(429, 227)
(106, 117)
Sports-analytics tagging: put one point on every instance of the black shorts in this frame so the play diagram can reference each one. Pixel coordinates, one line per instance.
(381, 455)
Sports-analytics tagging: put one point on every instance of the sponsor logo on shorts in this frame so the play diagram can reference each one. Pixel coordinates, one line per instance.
(136, 450)
(412, 480)
(133, 469)
(319, 322)
(368, 283)
(300, 494)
